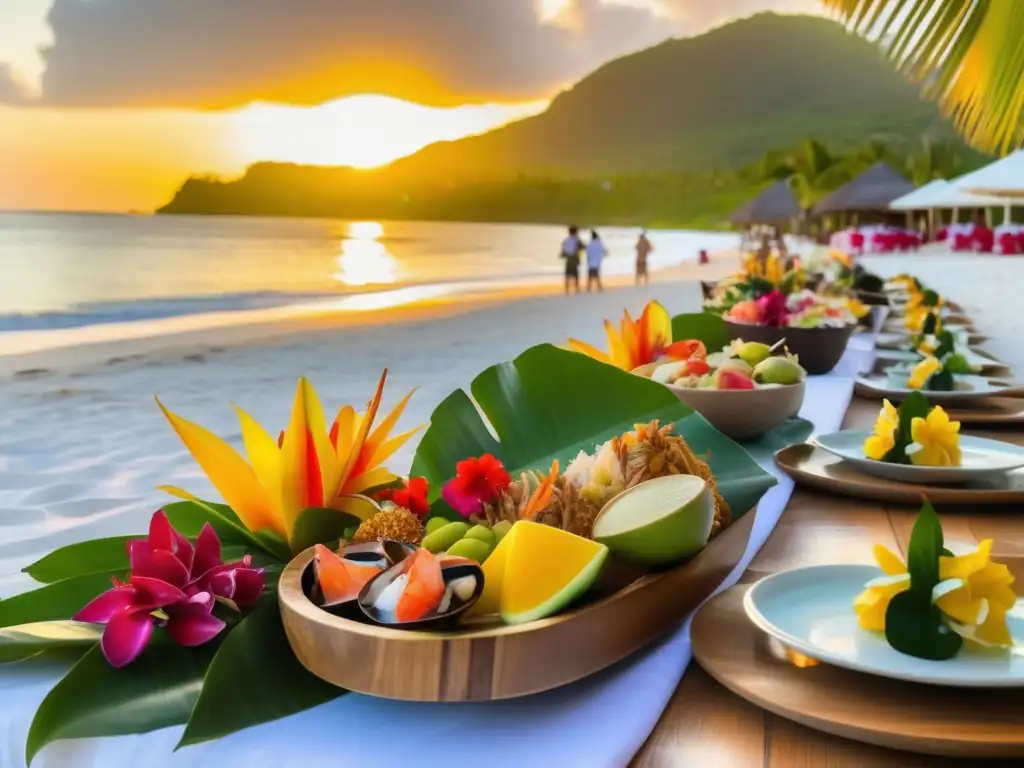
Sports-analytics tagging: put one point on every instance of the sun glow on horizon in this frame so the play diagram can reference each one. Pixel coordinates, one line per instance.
(363, 131)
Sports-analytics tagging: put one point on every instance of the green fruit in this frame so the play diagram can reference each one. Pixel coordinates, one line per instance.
(779, 370)
(753, 352)
(482, 533)
(435, 524)
(500, 530)
(472, 549)
(660, 522)
(444, 537)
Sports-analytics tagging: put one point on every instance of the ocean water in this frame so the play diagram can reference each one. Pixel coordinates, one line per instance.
(61, 271)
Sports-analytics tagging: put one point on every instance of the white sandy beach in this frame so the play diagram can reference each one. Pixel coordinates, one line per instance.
(83, 446)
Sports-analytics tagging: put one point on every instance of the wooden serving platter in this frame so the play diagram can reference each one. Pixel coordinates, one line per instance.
(889, 713)
(491, 661)
(824, 471)
(992, 412)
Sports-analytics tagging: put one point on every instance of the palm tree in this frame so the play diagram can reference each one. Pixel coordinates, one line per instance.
(936, 159)
(969, 54)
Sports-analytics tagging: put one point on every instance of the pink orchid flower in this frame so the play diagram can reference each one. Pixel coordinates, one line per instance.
(774, 313)
(168, 556)
(130, 613)
(172, 585)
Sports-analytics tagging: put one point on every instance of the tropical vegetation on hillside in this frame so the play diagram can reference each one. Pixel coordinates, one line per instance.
(676, 135)
(696, 199)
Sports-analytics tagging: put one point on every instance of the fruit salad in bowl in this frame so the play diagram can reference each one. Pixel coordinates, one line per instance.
(739, 366)
(744, 390)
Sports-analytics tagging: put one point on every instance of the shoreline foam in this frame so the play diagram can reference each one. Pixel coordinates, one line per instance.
(35, 353)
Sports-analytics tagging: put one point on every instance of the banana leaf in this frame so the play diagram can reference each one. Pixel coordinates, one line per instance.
(702, 326)
(550, 404)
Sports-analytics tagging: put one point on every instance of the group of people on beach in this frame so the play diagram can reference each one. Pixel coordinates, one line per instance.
(573, 248)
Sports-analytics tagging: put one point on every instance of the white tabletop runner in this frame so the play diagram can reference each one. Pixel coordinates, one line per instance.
(601, 721)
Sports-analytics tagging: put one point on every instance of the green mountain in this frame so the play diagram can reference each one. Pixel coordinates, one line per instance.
(693, 110)
(715, 101)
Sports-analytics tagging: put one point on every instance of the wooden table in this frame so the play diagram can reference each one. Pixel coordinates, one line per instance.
(707, 726)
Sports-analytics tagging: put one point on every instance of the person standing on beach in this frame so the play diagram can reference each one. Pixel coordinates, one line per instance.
(643, 250)
(595, 255)
(571, 248)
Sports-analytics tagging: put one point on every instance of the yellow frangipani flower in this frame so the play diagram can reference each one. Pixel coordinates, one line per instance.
(842, 257)
(922, 372)
(857, 307)
(884, 437)
(871, 604)
(309, 465)
(936, 440)
(976, 595)
(916, 318)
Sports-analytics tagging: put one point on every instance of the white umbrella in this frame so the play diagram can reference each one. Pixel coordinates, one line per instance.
(1003, 178)
(920, 198)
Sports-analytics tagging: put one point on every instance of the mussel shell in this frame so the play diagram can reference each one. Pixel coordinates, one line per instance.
(451, 569)
(384, 554)
(387, 551)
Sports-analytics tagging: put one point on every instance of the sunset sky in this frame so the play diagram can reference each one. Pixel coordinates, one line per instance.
(110, 104)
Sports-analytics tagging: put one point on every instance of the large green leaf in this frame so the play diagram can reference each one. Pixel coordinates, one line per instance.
(701, 326)
(110, 555)
(254, 678)
(550, 404)
(188, 518)
(27, 640)
(155, 691)
(54, 602)
(317, 525)
(789, 433)
(81, 558)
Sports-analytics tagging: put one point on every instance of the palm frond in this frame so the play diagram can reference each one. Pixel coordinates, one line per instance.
(969, 54)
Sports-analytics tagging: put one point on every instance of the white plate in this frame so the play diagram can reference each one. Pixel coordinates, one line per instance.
(967, 388)
(887, 340)
(909, 356)
(811, 611)
(980, 458)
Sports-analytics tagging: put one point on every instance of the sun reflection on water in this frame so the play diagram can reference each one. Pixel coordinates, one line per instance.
(364, 260)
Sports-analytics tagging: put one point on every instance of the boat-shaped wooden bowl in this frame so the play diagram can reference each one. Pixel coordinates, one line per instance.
(487, 661)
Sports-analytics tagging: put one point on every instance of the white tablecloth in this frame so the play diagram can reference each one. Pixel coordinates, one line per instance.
(601, 721)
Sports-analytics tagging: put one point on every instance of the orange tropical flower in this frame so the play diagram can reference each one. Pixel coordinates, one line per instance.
(643, 341)
(309, 466)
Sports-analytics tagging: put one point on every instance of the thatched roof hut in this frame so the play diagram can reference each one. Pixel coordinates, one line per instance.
(775, 205)
(873, 190)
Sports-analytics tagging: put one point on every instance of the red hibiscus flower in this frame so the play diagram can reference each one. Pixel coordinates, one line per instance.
(413, 496)
(477, 482)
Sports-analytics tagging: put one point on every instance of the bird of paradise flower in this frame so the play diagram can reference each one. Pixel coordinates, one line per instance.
(643, 341)
(307, 466)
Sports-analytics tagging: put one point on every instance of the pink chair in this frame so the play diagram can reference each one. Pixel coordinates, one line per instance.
(1008, 244)
(961, 242)
(983, 240)
(942, 234)
(857, 242)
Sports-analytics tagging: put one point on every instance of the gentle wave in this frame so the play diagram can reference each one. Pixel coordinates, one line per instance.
(102, 313)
